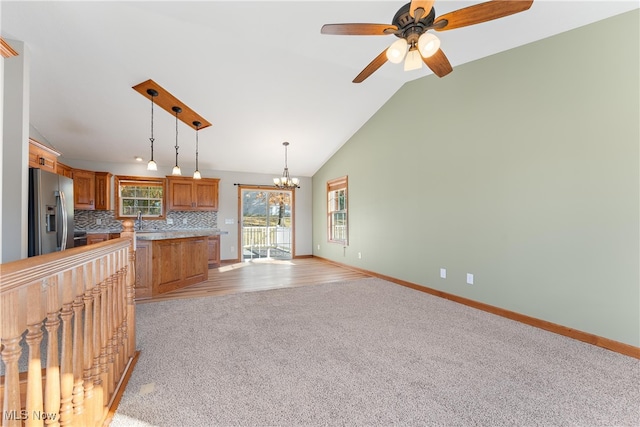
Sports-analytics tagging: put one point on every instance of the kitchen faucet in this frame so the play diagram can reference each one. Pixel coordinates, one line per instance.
(139, 221)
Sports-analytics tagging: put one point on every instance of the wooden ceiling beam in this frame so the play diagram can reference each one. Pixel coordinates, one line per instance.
(168, 101)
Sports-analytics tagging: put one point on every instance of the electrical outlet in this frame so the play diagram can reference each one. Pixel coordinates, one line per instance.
(169, 221)
(184, 221)
(359, 255)
(98, 221)
(470, 278)
(318, 247)
(443, 273)
(232, 249)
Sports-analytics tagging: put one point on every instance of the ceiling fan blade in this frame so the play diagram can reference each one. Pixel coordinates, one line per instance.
(373, 66)
(359, 29)
(478, 13)
(438, 63)
(426, 6)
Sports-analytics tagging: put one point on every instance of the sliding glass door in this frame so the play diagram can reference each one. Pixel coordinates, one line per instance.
(266, 223)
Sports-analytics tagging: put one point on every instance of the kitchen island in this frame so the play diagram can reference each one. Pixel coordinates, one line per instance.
(168, 260)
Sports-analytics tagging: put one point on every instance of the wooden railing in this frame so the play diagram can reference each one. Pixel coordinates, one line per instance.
(80, 303)
(265, 237)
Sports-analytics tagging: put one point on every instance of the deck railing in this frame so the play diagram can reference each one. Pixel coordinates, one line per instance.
(266, 237)
(78, 304)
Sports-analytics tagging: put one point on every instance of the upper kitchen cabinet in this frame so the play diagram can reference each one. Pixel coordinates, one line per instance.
(64, 170)
(188, 194)
(42, 157)
(103, 190)
(91, 190)
(84, 189)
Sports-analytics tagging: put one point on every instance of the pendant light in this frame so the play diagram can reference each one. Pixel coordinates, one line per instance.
(196, 173)
(285, 182)
(152, 166)
(176, 168)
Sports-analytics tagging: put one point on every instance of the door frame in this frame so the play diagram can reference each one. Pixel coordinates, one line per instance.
(269, 188)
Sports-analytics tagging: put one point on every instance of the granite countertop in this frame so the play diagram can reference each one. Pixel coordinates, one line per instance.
(177, 234)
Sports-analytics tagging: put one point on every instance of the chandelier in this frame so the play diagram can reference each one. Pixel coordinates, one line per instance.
(285, 182)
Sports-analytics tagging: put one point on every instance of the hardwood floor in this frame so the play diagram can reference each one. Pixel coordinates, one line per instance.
(262, 274)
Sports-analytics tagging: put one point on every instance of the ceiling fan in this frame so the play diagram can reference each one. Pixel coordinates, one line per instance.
(411, 25)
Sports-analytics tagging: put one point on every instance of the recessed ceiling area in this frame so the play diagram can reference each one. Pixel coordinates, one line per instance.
(259, 71)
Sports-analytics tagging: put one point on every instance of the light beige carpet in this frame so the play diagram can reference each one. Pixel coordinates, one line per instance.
(365, 352)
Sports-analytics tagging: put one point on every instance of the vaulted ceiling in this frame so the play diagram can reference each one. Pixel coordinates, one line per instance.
(259, 71)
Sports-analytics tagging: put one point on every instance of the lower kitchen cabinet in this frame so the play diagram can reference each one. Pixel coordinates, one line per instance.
(97, 238)
(167, 264)
(144, 262)
(100, 237)
(214, 251)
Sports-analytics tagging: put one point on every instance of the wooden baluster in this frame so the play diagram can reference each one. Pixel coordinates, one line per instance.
(128, 232)
(121, 307)
(78, 348)
(97, 367)
(66, 362)
(104, 328)
(34, 380)
(10, 354)
(117, 327)
(87, 372)
(52, 384)
(34, 404)
(111, 319)
(11, 332)
(109, 333)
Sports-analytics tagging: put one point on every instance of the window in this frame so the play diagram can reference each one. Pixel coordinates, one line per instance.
(337, 216)
(139, 194)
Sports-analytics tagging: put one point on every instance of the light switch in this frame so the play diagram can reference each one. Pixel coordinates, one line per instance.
(229, 221)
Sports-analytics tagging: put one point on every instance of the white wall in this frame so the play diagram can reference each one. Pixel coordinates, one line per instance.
(15, 153)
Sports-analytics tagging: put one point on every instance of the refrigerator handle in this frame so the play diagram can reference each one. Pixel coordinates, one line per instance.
(63, 206)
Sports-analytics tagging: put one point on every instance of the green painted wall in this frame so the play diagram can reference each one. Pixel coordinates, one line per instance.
(521, 168)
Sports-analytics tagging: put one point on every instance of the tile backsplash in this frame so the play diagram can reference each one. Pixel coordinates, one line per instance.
(182, 220)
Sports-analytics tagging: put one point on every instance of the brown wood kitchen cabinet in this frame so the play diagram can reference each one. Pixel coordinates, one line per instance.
(84, 189)
(64, 170)
(103, 191)
(214, 251)
(144, 262)
(168, 264)
(188, 194)
(97, 238)
(91, 190)
(42, 157)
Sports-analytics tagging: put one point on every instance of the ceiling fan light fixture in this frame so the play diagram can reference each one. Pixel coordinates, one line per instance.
(397, 51)
(428, 44)
(413, 61)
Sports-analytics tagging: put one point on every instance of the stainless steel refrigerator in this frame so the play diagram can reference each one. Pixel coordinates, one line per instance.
(50, 212)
